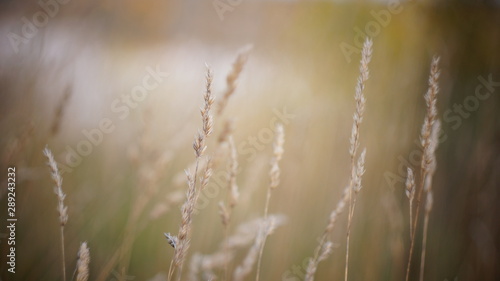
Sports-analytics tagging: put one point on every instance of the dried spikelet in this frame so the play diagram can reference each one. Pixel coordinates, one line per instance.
(326, 250)
(82, 265)
(410, 193)
(209, 100)
(199, 144)
(277, 154)
(410, 185)
(431, 101)
(357, 172)
(427, 128)
(187, 209)
(360, 170)
(431, 155)
(207, 119)
(62, 210)
(232, 78)
(428, 188)
(206, 175)
(233, 171)
(359, 97)
(429, 141)
(186, 214)
(56, 177)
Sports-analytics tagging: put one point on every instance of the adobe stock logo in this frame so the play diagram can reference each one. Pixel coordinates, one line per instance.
(30, 27)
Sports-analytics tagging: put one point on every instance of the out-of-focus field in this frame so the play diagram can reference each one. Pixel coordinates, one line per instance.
(82, 66)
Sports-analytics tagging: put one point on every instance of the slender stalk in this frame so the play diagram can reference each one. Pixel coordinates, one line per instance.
(61, 208)
(427, 128)
(226, 254)
(232, 78)
(356, 187)
(274, 175)
(428, 209)
(63, 254)
(360, 99)
(410, 193)
(187, 209)
(263, 243)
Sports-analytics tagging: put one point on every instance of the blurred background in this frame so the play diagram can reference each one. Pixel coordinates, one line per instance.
(73, 74)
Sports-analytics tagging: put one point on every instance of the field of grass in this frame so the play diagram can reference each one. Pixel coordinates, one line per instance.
(250, 140)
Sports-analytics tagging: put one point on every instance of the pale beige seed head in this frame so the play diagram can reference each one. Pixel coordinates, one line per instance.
(56, 177)
(360, 170)
(233, 167)
(232, 78)
(410, 184)
(277, 155)
(359, 97)
(82, 265)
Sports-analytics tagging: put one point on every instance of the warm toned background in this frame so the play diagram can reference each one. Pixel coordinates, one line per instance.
(92, 52)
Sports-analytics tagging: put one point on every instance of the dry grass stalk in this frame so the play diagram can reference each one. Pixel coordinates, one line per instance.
(274, 175)
(360, 99)
(410, 193)
(267, 227)
(320, 254)
(232, 199)
(323, 249)
(427, 164)
(428, 208)
(61, 209)
(183, 237)
(232, 78)
(432, 162)
(278, 150)
(244, 235)
(82, 265)
(234, 192)
(356, 187)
